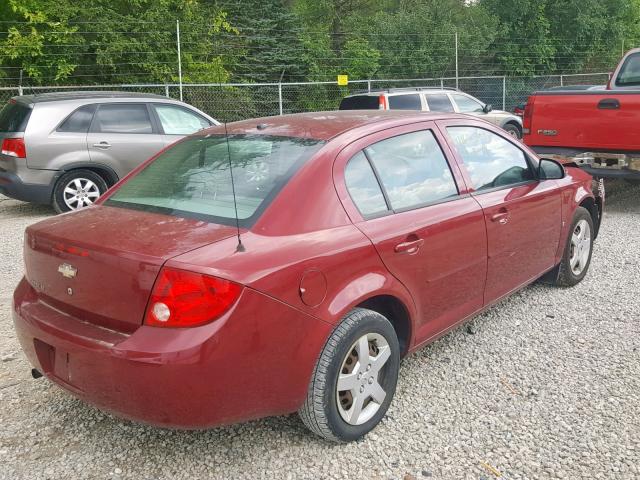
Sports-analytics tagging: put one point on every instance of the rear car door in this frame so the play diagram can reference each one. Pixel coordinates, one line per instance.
(413, 207)
(123, 135)
(522, 213)
(176, 121)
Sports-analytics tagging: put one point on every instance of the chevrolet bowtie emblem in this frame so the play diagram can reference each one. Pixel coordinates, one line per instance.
(67, 271)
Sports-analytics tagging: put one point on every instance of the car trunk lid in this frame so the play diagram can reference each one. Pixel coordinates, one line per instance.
(99, 264)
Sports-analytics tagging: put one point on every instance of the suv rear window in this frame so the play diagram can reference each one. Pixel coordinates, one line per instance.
(14, 117)
(439, 103)
(192, 179)
(360, 102)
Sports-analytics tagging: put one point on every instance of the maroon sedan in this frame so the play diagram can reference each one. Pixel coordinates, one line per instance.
(291, 265)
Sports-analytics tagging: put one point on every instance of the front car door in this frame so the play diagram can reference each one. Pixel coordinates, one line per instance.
(522, 213)
(123, 135)
(413, 206)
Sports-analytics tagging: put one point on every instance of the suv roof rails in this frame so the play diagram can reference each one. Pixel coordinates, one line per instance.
(401, 89)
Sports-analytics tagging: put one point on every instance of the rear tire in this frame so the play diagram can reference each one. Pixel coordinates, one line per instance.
(355, 378)
(577, 251)
(77, 189)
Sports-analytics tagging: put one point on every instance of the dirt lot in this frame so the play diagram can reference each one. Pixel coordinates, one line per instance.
(546, 385)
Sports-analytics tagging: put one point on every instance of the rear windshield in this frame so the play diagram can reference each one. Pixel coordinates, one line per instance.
(14, 117)
(360, 102)
(193, 179)
(630, 72)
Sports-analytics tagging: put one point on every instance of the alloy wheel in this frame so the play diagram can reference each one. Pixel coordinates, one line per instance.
(80, 192)
(580, 247)
(359, 391)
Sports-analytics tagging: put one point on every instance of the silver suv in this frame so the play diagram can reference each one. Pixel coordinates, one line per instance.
(66, 149)
(430, 99)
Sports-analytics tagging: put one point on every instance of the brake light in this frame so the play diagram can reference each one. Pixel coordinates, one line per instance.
(382, 102)
(187, 299)
(14, 147)
(527, 116)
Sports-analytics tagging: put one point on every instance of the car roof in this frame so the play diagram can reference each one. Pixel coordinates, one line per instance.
(84, 95)
(325, 125)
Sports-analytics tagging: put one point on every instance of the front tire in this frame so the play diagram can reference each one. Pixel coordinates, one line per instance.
(513, 130)
(77, 189)
(578, 249)
(355, 378)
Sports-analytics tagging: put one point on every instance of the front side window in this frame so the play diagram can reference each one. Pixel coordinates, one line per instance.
(405, 102)
(363, 186)
(491, 160)
(179, 121)
(79, 121)
(439, 103)
(192, 179)
(412, 169)
(467, 104)
(123, 118)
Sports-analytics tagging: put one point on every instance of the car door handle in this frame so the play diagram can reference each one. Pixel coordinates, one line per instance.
(501, 217)
(409, 247)
(609, 104)
(104, 145)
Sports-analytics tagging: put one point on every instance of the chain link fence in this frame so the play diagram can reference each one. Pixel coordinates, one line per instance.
(229, 102)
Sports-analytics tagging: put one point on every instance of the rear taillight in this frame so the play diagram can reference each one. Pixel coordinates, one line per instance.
(527, 116)
(14, 147)
(382, 102)
(187, 299)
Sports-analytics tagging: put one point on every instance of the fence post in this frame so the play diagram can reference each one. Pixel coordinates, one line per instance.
(166, 90)
(504, 93)
(456, 60)
(562, 80)
(19, 89)
(369, 86)
(441, 83)
(179, 58)
(280, 96)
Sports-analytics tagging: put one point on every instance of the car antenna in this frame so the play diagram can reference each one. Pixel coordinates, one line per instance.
(240, 247)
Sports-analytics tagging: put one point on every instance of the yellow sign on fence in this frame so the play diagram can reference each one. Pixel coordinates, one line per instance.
(343, 80)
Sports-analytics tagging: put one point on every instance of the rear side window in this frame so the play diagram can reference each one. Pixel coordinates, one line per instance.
(491, 161)
(405, 102)
(413, 170)
(78, 121)
(364, 187)
(439, 103)
(14, 117)
(123, 118)
(193, 179)
(360, 102)
(179, 121)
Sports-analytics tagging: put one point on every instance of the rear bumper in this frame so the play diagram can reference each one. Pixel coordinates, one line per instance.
(12, 186)
(255, 361)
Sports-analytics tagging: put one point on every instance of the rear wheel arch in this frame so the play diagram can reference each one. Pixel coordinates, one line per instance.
(394, 310)
(107, 173)
(513, 123)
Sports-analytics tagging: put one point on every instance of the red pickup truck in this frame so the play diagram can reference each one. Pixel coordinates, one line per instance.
(596, 129)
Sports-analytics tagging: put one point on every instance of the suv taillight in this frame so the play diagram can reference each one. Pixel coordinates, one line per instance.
(187, 299)
(14, 147)
(382, 102)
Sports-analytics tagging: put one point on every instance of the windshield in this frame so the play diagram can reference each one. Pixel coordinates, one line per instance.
(630, 72)
(192, 179)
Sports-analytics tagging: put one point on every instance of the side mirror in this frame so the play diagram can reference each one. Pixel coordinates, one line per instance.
(550, 170)
(487, 108)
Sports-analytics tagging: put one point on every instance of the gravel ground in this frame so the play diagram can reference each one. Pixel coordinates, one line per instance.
(545, 385)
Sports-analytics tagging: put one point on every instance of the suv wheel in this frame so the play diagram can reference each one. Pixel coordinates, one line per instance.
(354, 379)
(77, 189)
(513, 130)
